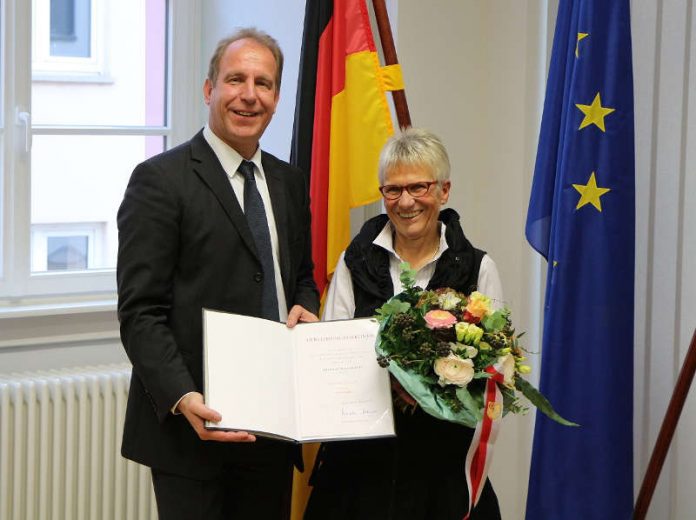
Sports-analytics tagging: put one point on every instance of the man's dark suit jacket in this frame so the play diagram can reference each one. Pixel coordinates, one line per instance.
(184, 244)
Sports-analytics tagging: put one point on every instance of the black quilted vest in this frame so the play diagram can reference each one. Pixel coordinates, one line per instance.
(458, 267)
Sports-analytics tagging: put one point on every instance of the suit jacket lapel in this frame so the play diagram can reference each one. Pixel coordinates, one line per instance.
(208, 168)
(275, 181)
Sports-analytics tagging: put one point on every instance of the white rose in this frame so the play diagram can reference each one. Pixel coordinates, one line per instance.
(448, 301)
(454, 370)
(507, 368)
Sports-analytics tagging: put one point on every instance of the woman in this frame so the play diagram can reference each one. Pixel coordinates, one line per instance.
(420, 473)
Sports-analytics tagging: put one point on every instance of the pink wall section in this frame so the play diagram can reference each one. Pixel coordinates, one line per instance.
(155, 71)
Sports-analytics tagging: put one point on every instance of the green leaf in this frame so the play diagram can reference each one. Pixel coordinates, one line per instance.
(540, 401)
(408, 275)
(429, 379)
(469, 402)
(496, 321)
(393, 306)
(511, 402)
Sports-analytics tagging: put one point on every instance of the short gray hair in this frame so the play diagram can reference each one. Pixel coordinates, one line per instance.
(415, 147)
(251, 33)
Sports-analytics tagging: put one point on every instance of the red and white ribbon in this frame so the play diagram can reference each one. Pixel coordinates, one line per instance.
(480, 452)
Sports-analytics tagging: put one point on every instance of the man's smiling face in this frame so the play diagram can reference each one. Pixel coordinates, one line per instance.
(244, 97)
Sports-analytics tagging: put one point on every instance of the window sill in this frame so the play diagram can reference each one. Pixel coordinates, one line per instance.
(72, 77)
(42, 323)
(53, 307)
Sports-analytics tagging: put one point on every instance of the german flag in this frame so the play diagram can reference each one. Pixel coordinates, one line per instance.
(342, 120)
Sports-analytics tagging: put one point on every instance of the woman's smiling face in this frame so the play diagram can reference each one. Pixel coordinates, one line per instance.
(415, 218)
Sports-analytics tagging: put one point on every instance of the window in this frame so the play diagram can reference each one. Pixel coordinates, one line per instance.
(90, 86)
(65, 253)
(68, 39)
(68, 246)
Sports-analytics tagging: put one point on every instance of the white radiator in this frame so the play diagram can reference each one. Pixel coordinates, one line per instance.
(60, 438)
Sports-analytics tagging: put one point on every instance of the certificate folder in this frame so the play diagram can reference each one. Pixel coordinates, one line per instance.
(315, 382)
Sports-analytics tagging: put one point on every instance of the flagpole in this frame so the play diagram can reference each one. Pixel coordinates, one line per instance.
(664, 438)
(385, 36)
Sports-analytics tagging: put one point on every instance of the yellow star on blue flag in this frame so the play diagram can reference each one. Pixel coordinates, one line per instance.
(590, 193)
(594, 113)
(581, 36)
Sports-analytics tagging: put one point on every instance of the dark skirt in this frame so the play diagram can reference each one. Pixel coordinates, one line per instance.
(419, 475)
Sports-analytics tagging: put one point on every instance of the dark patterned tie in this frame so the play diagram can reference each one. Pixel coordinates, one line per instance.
(256, 217)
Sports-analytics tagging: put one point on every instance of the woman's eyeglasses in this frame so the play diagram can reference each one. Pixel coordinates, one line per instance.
(415, 189)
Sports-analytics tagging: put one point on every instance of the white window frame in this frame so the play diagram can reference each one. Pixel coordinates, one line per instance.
(19, 286)
(66, 68)
(40, 233)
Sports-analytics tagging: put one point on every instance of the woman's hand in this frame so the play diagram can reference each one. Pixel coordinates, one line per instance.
(402, 398)
(299, 314)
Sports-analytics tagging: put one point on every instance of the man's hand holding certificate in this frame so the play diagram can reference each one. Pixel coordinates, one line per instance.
(317, 381)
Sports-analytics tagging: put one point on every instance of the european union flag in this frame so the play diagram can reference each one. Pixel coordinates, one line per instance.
(581, 218)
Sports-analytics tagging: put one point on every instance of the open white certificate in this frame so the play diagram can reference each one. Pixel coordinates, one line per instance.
(315, 382)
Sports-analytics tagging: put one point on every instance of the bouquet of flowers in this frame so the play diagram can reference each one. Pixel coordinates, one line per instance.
(443, 346)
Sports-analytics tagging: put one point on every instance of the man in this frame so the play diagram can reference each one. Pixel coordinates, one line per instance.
(187, 241)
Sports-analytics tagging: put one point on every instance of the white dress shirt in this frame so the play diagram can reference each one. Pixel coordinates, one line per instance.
(340, 300)
(230, 160)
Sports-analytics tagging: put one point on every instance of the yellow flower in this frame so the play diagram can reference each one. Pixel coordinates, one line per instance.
(468, 333)
(478, 305)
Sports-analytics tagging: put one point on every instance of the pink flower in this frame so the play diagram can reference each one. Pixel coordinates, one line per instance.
(439, 319)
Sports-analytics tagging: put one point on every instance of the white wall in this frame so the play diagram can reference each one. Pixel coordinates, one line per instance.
(664, 50)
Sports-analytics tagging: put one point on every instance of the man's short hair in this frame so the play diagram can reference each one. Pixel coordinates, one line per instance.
(250, 33)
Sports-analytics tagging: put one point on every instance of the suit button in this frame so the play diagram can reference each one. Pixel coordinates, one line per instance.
(258, 277)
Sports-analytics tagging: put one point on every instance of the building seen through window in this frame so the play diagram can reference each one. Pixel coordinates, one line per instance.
(70, 28)
(65, 253)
